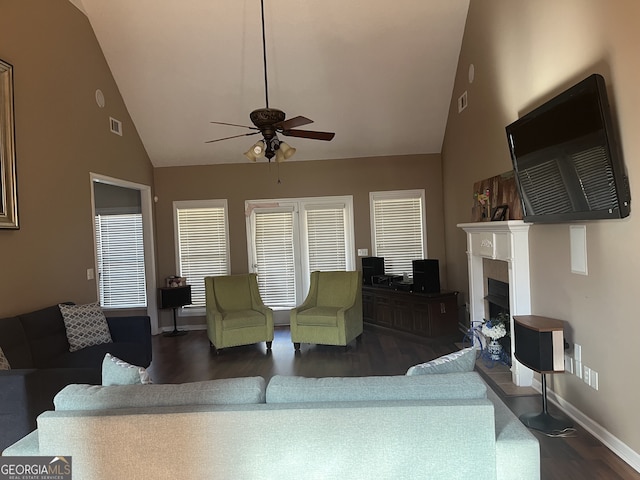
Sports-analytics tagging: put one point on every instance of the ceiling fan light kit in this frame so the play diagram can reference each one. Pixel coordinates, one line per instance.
(271, 121)
(256, 151)
(284, 152)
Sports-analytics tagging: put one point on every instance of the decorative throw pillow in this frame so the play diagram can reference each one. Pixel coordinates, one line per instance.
(86, 325)
(4, 363)
(118, 372)
(461, 361)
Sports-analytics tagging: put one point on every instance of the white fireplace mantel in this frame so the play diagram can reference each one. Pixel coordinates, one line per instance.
(507, 241)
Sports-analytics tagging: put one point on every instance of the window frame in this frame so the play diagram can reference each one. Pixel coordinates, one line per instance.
(299, 206)
(140, 261)
(398, 195)
(196, 310)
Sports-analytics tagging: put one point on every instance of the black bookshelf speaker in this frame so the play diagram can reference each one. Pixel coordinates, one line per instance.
(539, 343)
(371, 266)
(426, 276)
(175, 297)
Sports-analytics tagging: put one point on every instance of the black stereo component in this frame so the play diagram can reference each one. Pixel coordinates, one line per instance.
(371, 267)
(426, 276)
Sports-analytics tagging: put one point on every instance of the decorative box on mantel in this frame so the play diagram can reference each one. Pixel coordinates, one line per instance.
(506, 241)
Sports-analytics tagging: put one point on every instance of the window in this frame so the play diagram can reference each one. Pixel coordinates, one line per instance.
(274, 257)
(290, 238)
(202, 243)
(120, 255)
(398, 229)
(325, 237)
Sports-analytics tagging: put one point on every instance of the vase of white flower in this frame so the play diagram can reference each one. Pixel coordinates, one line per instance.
(495, 349)
(494, 330)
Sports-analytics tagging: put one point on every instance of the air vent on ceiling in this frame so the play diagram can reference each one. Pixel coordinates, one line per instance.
(115, 126)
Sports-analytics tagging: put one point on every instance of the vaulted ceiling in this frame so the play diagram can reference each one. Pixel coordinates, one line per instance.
(379, 74)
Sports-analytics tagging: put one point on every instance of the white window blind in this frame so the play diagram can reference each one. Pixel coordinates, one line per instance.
(274, 252)
(120, 254)
(398, 229)
(326, 239)
(203, 248)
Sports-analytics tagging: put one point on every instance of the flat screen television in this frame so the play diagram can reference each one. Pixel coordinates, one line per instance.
(566, 158)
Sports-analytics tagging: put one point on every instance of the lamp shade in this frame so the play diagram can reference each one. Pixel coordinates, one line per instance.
(284, 152)
(256, 151)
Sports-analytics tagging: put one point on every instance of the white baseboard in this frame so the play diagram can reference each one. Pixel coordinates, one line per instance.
(616, 445)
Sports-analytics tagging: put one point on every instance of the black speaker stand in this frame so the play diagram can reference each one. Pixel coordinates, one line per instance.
(543, 421)
(176, 332)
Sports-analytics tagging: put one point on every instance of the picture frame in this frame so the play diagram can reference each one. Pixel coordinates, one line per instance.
(499, 213)
(8, 182)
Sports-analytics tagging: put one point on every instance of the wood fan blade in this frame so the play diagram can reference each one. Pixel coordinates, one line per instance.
(293, 123)
(234, 136)
(234, 125)
(309, 134)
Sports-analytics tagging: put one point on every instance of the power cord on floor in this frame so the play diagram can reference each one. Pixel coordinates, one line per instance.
(565, 433)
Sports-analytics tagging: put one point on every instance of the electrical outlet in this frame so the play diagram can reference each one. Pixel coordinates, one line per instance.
(577, 352)
(594, 379)
(363, 252)
(586, 375)
(568, 364)
(578, 369)
(90, 274)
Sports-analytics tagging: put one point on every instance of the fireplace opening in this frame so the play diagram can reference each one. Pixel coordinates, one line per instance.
(498, 303)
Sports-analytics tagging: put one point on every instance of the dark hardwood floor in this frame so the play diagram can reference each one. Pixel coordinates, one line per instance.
(382, 352)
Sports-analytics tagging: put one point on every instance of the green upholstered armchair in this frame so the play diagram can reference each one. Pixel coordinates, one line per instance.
(235, 312)
(332, 312)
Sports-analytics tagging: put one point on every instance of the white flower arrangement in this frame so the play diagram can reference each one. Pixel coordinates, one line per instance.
(495, 328)
(494, 332)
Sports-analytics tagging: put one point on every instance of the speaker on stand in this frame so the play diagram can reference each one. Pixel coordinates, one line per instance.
(175, 297)
(540, 346)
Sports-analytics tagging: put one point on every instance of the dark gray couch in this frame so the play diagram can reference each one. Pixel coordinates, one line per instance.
(37, 349)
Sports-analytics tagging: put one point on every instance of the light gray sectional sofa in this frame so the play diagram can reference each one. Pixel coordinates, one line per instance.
(447, 426)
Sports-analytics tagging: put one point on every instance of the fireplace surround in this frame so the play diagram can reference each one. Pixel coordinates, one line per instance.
(506, 241)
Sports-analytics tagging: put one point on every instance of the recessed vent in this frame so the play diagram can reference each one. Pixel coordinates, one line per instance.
(115, 126)
(462, 102)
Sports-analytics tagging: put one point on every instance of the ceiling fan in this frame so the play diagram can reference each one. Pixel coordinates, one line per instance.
(270, 122)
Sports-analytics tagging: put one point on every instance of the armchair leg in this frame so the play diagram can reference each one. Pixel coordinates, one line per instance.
(296, 346)
(269, 345)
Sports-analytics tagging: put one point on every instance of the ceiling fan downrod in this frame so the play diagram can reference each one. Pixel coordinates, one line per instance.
(264, 57)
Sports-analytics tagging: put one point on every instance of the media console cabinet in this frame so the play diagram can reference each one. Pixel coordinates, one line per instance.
(423, 314)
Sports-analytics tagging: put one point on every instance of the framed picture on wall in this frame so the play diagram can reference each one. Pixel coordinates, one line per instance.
(8, 193)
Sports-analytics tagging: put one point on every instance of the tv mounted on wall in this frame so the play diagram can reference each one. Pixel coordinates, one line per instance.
(566, 158)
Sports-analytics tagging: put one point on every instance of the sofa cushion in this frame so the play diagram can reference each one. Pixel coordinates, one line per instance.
(118, 372)
(86, 325)
(322, 316)
(91, 357)
(242, 319)
(4, 363)
(461, 361)
(233, 292)
(46, 334)
(336, 289)
(231, 391)
(14, 343)
(290, 389)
